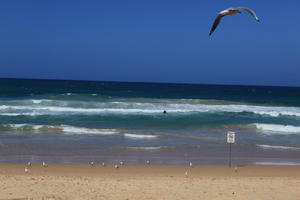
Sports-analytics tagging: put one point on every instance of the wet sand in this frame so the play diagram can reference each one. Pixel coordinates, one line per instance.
(79, 181)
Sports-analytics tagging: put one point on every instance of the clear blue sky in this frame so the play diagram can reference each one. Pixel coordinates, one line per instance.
(150, 41)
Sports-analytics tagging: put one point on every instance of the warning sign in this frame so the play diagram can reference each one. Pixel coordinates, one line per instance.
(230, 137)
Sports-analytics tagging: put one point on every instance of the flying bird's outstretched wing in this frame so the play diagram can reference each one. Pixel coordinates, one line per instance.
(231, 12)
(249, 11)
(216, 23)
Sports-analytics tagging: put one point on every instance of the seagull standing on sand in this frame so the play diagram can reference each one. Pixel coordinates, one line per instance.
(29, 164)
(231, 12)
(186, 174)
(44, 164)
(236, 169)
(26, 170)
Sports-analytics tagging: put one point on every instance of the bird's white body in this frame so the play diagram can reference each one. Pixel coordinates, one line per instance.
(103, 164)
(121, 163)
(186, 174)
(116, 166)
(26, 170)
(229, 12)
(92, 164)
(148, 162)
(191, 164)
(236, 169)
(29, 164)
(44, 164)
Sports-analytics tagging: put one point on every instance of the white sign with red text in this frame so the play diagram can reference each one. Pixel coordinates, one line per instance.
(230, 137)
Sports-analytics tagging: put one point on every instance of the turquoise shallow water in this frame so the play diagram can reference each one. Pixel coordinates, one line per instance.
(76, 121)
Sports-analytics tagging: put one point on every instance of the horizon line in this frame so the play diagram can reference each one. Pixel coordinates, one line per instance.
(149, 82)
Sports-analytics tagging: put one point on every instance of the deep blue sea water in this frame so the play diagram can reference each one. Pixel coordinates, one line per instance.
(82, 121)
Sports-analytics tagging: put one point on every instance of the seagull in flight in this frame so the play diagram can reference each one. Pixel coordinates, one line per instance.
(231, 12)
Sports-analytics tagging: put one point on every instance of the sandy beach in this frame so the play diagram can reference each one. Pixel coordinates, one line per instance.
(79, 181)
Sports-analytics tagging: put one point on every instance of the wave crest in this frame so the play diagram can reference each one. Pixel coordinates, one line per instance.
(264, 146)
(139, 136)
(61, 107)
(57, 129)
(277, 129)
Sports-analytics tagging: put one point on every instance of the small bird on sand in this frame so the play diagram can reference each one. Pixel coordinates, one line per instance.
(44, 164)
(92, 163)
(231, 12)
(103, 164)
(116, 166)
(191, 164)
(29, 164)
(121, 163)
(148, 162)
(236, 169)
(26, 170)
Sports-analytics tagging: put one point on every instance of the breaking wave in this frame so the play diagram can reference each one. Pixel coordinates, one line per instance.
(277, 129)
(139, 136)
(70, 130)
(61, 107)
(277, 147)
(57, 129)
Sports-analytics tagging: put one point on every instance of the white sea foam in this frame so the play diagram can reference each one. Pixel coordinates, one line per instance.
(37, 101)
(66, 129)
(278, 163)
(144, 148)
(80, 130)
(17, 125)
(38, 127)
(61, 128)
(277, 129)
(2, 107)
(136, 136)
(51, 107)
(13, 114)
(277, 147)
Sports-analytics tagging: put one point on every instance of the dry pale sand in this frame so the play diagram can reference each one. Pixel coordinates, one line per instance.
(77, 181)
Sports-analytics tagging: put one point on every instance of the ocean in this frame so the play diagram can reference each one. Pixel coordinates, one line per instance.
(82, 121)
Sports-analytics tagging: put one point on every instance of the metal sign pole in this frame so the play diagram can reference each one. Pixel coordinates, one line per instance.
(230, 155)
(230, 140)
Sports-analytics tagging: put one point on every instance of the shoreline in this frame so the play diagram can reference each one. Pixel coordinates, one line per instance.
(148, 181)
(199, 170)
(148, 169)
(168, 157)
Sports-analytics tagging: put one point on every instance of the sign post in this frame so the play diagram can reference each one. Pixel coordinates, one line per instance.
(230, 140)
